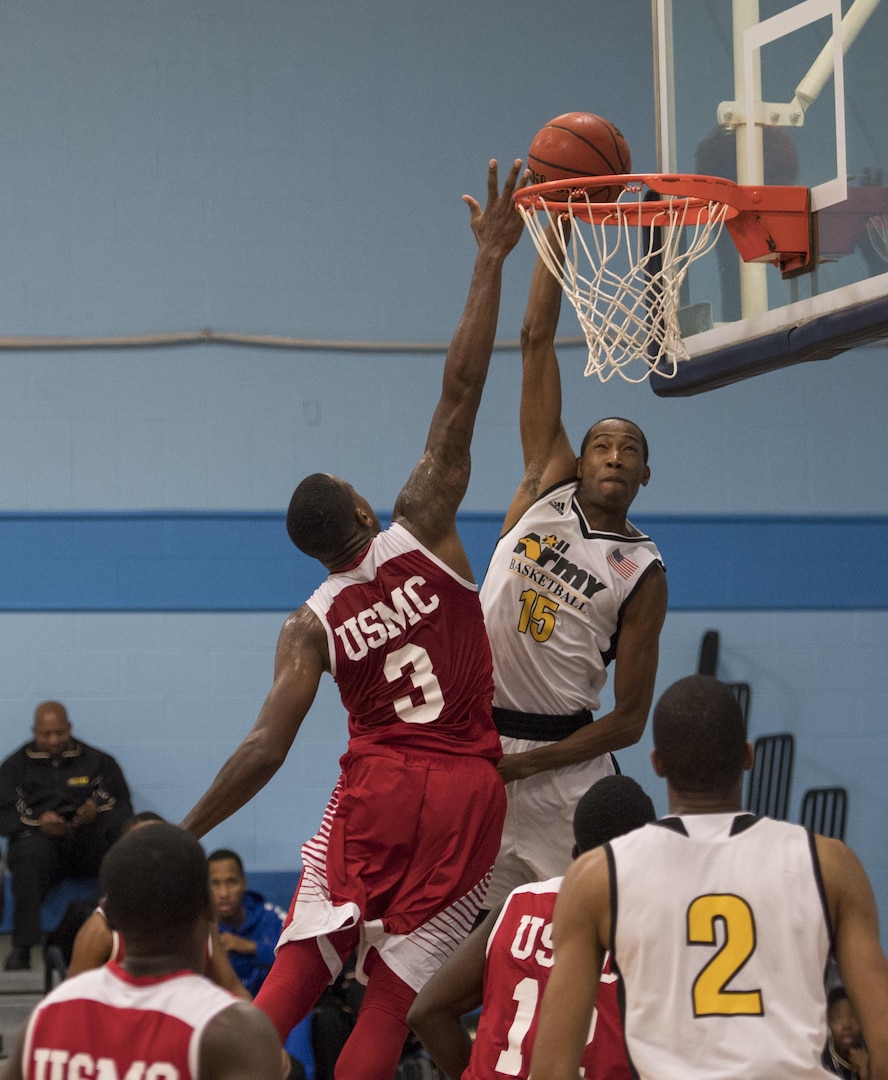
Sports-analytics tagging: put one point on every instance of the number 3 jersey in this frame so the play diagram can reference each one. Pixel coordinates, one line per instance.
(720, 936)
(553, 597)
(408, 650)
(519, 960)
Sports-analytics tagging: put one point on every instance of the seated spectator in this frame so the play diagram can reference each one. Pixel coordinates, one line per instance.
(151, 1015)
(249, 928)
(845, 1054)
(62, 806)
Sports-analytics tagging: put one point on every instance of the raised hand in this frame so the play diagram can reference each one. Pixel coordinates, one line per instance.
(499, 224)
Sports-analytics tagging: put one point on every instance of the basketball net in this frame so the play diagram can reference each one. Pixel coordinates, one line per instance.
(622, 267)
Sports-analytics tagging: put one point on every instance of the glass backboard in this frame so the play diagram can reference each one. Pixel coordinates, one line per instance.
(777, 92)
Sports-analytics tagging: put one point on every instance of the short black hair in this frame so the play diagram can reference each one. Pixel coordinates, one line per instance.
(321, 515)
(154, 882)
(622, 420)
(225, 853)
(613, 806)
(700, 735)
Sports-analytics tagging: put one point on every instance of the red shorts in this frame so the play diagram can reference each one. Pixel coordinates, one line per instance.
(405, 850)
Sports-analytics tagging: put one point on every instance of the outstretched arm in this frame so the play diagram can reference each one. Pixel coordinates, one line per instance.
(428, 503)
(862, 963)
(455, 989)
(300, 660)
(548, 455)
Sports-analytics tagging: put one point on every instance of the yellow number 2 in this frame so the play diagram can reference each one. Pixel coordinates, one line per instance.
(711, 998)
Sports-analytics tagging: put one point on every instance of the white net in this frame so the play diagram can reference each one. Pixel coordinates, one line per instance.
(623, 274)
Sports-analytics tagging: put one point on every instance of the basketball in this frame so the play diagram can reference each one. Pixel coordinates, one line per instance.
(579, 144)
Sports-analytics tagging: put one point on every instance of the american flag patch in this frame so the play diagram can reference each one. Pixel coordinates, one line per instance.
(624, 566)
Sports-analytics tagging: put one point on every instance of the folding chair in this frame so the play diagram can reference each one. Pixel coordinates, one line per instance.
(708, 660)
(771, 776)
(824, 811)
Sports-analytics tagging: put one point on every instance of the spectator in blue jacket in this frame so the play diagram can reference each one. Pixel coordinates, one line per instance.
(249, 928)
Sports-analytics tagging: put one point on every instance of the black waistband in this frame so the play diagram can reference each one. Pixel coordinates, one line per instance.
(541, 727)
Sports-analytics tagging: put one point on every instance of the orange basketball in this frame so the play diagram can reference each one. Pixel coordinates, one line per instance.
(579, 144)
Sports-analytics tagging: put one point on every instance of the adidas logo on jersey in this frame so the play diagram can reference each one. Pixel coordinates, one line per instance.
(556, 505)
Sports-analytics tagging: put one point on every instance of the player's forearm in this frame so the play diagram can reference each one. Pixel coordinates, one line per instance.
(543, 305)
(245, 773)
(468, 357)
(614, 731)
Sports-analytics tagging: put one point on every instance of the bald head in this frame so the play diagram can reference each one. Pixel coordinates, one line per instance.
(52, 730)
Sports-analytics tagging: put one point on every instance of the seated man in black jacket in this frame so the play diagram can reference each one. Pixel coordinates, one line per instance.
(62, 805)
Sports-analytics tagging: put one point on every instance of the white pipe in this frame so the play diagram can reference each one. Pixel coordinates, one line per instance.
(818, 74)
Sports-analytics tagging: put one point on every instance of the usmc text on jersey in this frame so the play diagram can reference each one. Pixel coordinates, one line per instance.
(375, 625)
(63, 1065)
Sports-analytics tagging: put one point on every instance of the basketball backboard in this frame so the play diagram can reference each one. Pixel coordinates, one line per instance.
(779, 92)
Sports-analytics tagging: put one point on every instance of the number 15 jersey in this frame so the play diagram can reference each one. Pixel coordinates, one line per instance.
(720, 935)
(553, 597)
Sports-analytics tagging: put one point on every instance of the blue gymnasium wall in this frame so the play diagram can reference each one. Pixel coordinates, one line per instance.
(295, 169)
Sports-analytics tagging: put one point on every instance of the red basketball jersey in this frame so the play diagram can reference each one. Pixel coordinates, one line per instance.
(409, 651)
(519, 959)
(107, 1023)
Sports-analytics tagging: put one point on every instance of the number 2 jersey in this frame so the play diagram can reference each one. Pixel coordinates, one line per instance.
(408, 650)
(519, 960)
(553, 597)
(720, 936)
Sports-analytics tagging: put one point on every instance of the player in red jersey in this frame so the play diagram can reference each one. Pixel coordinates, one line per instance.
(152, 1014)
(506, 962)
(401, 862)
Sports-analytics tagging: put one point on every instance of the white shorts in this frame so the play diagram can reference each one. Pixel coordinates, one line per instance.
(538, 835)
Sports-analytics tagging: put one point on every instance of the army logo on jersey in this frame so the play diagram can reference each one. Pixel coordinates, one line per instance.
(533, 555)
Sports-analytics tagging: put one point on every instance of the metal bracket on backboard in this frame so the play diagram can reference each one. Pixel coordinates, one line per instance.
(732, 114)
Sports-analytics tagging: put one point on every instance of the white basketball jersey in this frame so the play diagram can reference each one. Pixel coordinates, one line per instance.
(552, 598)
(721, 937)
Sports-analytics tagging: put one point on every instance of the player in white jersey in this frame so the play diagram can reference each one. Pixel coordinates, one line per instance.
(572, 586)
(719, 924)
(151, 1015)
